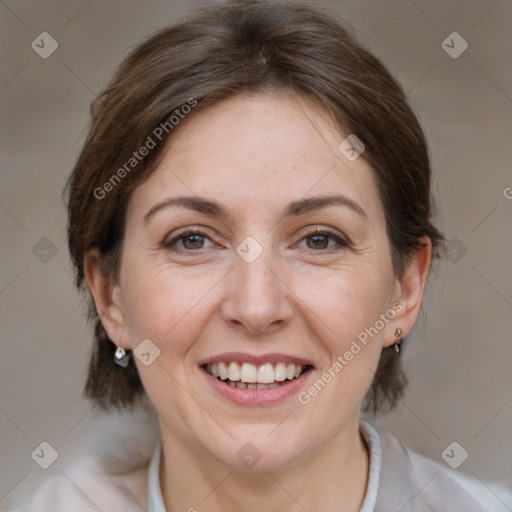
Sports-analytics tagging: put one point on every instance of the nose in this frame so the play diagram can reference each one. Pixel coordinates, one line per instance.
(258, 299)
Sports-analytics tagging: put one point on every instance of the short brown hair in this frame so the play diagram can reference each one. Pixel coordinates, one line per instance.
(221, 51)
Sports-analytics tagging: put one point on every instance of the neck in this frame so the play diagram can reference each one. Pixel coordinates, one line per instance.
(333, 478)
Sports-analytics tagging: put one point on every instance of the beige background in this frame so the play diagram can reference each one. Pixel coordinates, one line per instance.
(460, 361)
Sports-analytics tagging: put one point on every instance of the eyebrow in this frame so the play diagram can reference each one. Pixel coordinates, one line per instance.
(295, 208)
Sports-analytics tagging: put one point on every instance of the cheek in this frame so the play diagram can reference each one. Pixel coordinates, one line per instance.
(347, 317)
(346, 301)
(166, 307)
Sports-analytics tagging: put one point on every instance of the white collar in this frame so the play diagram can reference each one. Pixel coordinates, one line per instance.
(156, 502)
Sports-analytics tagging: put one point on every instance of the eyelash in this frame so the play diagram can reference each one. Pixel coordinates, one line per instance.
(342, 243)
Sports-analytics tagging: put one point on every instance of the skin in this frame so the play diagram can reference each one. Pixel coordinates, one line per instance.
(255, 154)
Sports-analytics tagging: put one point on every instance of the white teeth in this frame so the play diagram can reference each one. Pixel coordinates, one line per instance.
(266, 374)
(280, 372)
(233, 372)
(248, 373)
(249, 376)
(243, 385)
(223, 371)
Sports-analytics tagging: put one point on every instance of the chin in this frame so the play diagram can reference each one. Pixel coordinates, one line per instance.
(256, 450)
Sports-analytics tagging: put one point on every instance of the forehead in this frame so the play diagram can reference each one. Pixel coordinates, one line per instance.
(259, 151)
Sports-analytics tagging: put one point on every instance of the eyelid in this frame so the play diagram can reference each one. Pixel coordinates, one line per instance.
(170, 241)
(342, 240)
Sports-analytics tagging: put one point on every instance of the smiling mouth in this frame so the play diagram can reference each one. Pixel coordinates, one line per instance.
(251, 376)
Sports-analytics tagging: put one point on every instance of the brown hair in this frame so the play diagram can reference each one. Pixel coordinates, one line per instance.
(221, 51)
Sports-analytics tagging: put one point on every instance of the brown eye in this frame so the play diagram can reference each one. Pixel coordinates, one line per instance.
(193, 241)
(187, 241)
(318, 241)
(325, 241)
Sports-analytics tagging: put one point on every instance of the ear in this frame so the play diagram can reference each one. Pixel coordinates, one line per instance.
(409, 293)
(107, 298)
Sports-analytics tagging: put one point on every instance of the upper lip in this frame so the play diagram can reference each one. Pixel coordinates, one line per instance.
(244, 357)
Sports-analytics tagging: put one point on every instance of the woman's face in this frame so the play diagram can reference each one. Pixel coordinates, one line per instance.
(234, 274)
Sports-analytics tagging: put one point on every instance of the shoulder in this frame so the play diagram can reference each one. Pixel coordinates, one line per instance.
(414, 482)
(85, 486)
(112, 474)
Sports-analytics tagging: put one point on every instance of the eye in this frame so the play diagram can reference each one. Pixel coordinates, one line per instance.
(195, 240)
(325, 241)
(190, 240)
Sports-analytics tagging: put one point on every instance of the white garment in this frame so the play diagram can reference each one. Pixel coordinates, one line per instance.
(156, 502)
(399, 481)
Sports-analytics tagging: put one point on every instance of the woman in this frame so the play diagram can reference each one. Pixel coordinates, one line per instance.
(251, 217)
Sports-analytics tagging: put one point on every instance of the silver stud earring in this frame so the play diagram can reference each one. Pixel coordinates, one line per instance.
(121, 357)
(398, 342)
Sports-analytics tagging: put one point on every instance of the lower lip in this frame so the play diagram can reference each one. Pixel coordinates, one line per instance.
(258, 397)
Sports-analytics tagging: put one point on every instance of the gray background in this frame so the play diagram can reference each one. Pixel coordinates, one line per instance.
(459, 362)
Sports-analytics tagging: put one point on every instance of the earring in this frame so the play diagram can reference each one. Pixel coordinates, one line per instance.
(121, 357)
(398, 342)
